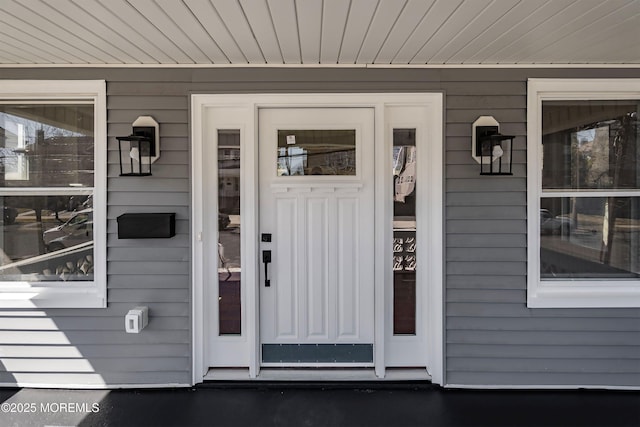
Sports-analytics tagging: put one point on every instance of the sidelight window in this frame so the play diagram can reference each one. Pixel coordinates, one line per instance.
(404, 232)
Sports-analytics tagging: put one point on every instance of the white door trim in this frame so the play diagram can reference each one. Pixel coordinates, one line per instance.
(250, 103)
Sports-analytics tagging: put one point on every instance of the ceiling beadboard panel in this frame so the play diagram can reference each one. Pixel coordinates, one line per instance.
(258, 16)
(283, 16)
(405, 26)
(310, 30)
(343, 32)
(430, 24)
(516, 23)
(486, 17)
(382, 24)
(30, 17)
(117, 29)
(190, 32)
(360, 16)
(212, 23)
(334, 17)
(143, 26)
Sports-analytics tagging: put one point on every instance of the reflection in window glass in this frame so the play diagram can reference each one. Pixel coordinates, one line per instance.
(46, 238)
(316, 152)
(590, 237)
(590, 145)
(46, 145)
(229, 289)
(404, 232)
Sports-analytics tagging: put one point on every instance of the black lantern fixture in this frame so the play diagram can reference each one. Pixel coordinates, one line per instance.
(493, 150)
(140, 149)
(136, 160)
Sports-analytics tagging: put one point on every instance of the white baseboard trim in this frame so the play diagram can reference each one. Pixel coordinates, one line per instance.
(92, 386)
(539, 387)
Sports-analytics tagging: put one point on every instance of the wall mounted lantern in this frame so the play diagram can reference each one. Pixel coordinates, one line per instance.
(140, 149)
(490, 148)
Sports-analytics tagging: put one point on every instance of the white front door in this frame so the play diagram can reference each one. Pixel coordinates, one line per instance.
(347, 287)
(316, 193)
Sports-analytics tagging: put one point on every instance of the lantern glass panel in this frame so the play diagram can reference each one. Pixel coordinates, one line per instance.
(135, 156)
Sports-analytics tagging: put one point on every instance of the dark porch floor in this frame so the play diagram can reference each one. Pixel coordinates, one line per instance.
(318, 405)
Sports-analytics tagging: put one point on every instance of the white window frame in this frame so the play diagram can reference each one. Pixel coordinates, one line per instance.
(85, 294)
(568, 293)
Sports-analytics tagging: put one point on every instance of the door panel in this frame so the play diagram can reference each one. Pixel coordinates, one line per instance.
(348, 279)
(283, 277)
(317, 274)
(316, 199)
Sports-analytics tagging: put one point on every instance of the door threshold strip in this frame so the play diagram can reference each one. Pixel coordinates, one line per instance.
(317, 375)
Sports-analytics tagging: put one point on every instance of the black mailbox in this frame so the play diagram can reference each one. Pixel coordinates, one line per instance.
(146, 225)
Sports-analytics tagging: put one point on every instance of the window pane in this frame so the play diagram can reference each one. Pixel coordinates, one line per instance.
(590, 145)
(316, 152)
(46, 145)
(229, 296)
(404, 232)
(46, 238)
(590, 237)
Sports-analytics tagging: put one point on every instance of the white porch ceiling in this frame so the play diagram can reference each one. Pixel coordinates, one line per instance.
(272, 32)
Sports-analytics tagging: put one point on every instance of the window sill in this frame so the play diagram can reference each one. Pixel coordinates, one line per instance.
(78, 296)
(584, 295)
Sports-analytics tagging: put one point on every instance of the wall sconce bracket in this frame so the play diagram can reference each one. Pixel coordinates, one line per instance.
(148, 127)
(492, 150)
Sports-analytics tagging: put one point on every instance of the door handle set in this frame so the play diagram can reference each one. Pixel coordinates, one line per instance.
(266, 259)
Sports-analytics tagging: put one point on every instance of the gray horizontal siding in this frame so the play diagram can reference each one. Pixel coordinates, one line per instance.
(97, 351)
(102, 323)
(147, 272)
(121, 377)
(543, 378)
(491, 336)
(86, 346)
(494, 309)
